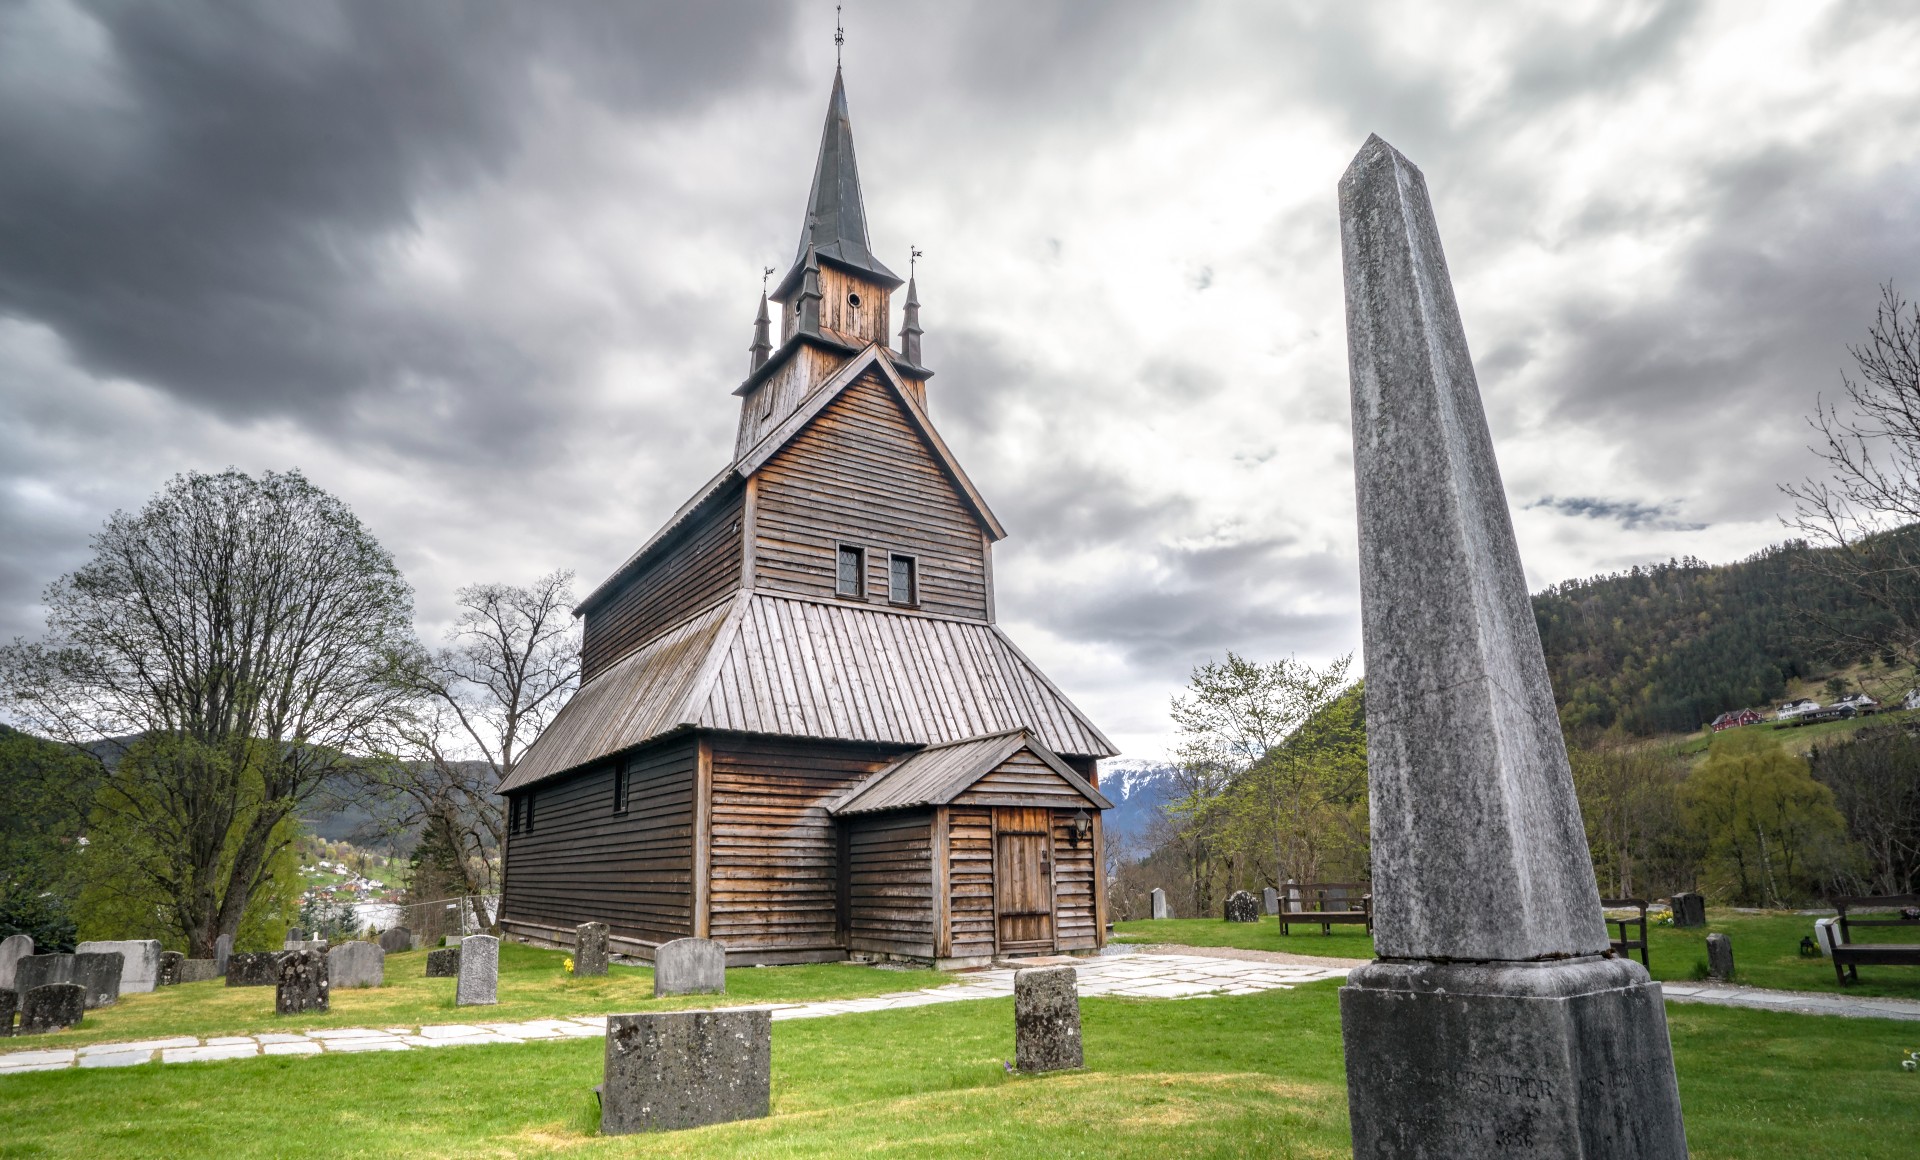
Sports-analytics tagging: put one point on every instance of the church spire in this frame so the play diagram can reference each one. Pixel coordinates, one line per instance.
(836, 222)
(762, 335)
(910, 320)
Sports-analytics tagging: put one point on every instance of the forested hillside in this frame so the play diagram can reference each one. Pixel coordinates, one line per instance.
(1665, 648)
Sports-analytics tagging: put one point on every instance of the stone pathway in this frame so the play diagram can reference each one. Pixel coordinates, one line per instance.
(1799, 1002)
(1144, 976)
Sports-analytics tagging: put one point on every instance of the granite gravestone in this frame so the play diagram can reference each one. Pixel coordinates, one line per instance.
(689, 966)
(222, 951)
(40, 970)
(302, 984)
(357, 964)
(254, 968)
(443, 963)
(686, 1069)
(9, 1006)
(479, 972)
(12, 949)
(139, 962)
(99, 974)
(198, 971)
(1046, 1019)
(52, 1007)
(1720, 957)
(1689, 909)
(1270, 898)
(169, 968)
(1157, 902)
(397, 940)
(1241, 907)
(590, 949)
(1493, 1024)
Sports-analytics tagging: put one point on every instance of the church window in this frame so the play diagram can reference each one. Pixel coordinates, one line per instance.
(903, 581)
(621, 779)
(851, 580)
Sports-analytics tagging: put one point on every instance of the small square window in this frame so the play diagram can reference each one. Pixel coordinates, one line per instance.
(852, 578)
(903, 580)
(621, 778)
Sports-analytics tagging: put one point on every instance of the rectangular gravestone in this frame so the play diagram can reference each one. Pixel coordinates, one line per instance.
(40, 970)
(479, 983)
(443, 963)
(254, 968)
(689, 966)
(170, 968)
(1493, 1024)
(590, 949)
(99, 974)
(222, 951)
(52, 1007)
(12, 949)
(140, 962)
(396, 940)
(686, 1069)
(9, 1007)
(1157, 899)
(356, 964)
(1720, 957)
(1689, 909)
(302, 985)
(1270, 899)
(198, 971)
(295, 936)
(1046, 1019)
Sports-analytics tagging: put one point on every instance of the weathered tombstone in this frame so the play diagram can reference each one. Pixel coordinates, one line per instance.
(254, 968)
(1492, 1024)
(1241, 907)
(222, 951)
(686, 1069)
(295, 936)
(689, 966)
(302, 984)
(1158, 898)
(443, 963)
(590, 949)
(1046, 1019)
(396, 940)
(1720, 957)
(40, 970)
(452, 940)
(52, 1007)
(99, 974)
(12, 949)
(9, 1006)
(1271, 900)
(198, 970)
(170, 968)
(1689, 909)
(479, 983)
(139, 962)
(357, 964)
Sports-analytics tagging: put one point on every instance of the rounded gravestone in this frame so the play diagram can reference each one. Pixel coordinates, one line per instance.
(357, 964)
(479, 984)
(302, 984)
(1242, 906)
(13, 948)
(443, 963)
(397, 940)
(590, 949)
(52, 1007)
(689, 966)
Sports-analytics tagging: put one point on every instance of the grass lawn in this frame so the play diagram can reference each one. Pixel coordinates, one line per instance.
(1256, 1075)
(532, 986)
(1766, 949)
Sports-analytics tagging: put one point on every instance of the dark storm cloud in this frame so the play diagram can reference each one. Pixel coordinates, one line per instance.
(201, 196)
(1625, 512)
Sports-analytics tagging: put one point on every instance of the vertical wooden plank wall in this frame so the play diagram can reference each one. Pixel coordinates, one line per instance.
(942, 885)
(703, 838)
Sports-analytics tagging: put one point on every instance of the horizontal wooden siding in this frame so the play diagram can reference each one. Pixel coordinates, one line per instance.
(700, 567)
(890, 879)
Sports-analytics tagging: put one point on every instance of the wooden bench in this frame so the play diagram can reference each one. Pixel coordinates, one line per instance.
(1624, 946)
(1848, 955)
(1325, 903)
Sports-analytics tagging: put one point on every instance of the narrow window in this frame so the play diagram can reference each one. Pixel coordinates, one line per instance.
(853, 571)
(523, 813)
(903, 585)
(620, 780)
(513, 815)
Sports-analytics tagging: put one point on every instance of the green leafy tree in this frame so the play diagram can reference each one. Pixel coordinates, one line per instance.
(45, 791)
(1771, 833)
(1301, 810)
(1636, 829)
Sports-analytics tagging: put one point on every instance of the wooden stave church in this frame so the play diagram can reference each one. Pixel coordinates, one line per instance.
(800, 731)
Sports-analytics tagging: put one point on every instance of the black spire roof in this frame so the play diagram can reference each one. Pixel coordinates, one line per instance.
(836, 224)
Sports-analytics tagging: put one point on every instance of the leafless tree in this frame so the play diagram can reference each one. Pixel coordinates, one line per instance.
(1866, 509)
(509, 663)
(239, 637)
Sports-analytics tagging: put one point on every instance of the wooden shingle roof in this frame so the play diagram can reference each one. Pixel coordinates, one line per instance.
(797, 667)
(938, 774)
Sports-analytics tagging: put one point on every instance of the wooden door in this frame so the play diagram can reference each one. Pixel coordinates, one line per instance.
(1023, 880)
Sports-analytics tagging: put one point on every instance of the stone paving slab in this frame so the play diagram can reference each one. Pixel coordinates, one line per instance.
(1797, 1002)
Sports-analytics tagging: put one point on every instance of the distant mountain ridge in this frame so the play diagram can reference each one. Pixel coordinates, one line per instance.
(1137, 789)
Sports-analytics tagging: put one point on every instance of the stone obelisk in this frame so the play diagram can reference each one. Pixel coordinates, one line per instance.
(1495, 1021)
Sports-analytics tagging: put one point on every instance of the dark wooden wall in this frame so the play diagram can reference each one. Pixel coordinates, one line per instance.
(1023, 780)
(698, 568)
(1074, 882)
(860, 474)
(970, 881)
(776, 855)
(890, 883)
(582, 862)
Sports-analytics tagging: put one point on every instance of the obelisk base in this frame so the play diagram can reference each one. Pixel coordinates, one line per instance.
(1456, 1061)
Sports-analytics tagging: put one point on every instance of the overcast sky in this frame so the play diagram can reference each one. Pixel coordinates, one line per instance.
(488, 272)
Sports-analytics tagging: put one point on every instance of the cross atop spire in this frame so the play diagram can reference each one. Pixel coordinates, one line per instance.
(836, 223)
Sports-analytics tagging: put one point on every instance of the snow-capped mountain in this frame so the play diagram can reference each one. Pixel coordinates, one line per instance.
(1136, 788)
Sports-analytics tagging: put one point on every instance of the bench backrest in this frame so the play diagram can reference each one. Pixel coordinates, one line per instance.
(1893, 902)
(1304, 897)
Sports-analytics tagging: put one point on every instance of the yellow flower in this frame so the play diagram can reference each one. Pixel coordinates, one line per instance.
(568, 964)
